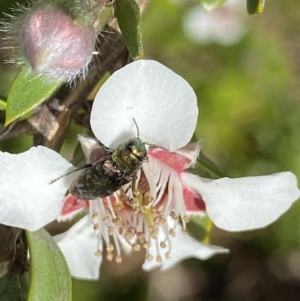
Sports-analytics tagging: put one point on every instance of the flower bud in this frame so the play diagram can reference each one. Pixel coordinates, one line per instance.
(54, 45)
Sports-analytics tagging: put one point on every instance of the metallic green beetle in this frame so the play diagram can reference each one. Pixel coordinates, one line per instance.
(109, 173)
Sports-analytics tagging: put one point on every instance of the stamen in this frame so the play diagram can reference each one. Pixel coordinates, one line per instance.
(154, 195)
(117, 243)
(172, 232)
(117, 220)
(183, 230)
(168, 255)
(122, 231)
(109, 248)
(186, 218)
(111, 231)
(98, 253)
(109, 256)
(146, 245)
(158, 259)
(174, 216)
(108, 199)
(154, 234)
(118, 259)
(141, 237)
(105, 219)
(136, 247)
(163, 244)
(149, 257)
(130, 233)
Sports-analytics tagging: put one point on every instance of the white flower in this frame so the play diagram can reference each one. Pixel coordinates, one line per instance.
(151, 215)
(223, 24)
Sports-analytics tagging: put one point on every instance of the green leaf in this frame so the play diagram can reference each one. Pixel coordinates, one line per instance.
(27, 91)
(211, 4)
(255, 6)
(2, 105)
(206, 168)
(200, 227)
(129, 19)
(50, 276)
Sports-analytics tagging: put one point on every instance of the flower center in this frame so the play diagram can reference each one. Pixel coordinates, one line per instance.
(137, 217)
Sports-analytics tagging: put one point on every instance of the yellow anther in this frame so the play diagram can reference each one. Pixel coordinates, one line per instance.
(110, 248)
(136, 247)
(163, 244)
(186, 218)
(141, 237)
(122, 231)
(168, 255)
(109, 256)
(118, 259)
(105, 219)
(149, 257)
(98, 253)
(172, 232)
(158, 259)
(146, 245)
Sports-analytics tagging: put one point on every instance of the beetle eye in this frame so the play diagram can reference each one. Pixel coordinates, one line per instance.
(129, 144)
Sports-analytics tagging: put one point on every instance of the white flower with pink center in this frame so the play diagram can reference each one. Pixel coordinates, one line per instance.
(151, 213)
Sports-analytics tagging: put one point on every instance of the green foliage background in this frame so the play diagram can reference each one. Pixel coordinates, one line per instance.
(249, 100)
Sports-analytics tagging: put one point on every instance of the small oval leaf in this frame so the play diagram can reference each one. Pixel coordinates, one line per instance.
(50, 275)
(129, 19)
(27, 91)
(200, 227)
(255, 7)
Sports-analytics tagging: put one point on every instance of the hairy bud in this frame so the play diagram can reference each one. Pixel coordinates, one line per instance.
(54, 45)
(48, 40)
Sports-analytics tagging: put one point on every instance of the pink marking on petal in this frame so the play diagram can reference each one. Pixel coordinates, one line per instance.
(193, 202)
(72, 204)
(174, 160)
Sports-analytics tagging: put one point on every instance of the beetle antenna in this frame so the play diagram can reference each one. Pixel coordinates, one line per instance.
(138, 131)
(72, 171)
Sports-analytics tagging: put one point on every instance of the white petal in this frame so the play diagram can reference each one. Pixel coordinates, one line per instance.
(162, 103)
(88, 144)
(224, 25)
(27, 199)
(246, 203)
(183, 246)
(79, 244)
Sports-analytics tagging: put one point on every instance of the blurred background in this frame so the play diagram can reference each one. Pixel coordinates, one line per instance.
(246, 74)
